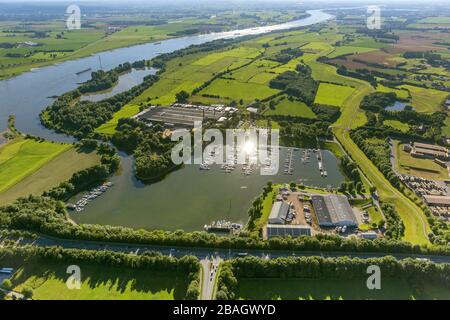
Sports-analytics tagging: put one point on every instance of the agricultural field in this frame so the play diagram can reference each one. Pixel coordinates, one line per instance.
(57, 170)
(344, 50)
(286, 107)
(48, 282)
(424, 168)
(238, 90)
(401, 93)
(332, 94)
(23, 157)
(333, 289)
(42, 43)
(426, 100)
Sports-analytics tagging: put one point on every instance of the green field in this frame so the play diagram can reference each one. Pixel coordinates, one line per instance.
(22, 157)
(404, 127)
(339, 51)
(426, 100)
(435, 20)
(57, 170)
(48, 281)
(326, 289)
(238, 90)
(333, 95)
(402, 94)
(286, 107)
(127, 111)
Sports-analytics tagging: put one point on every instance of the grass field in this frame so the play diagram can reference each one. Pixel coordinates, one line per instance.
(292, 108)
(404, 127)
(424, 168)
(402, 94)
(426, 100)
(127, 111)
(334, 289)
(238, 90)
(48, 281)
(57, 170)
(333, 95)
(339, 51)
(22, 157)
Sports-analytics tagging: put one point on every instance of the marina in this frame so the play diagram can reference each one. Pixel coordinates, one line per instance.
(191, 197)
(90, 196)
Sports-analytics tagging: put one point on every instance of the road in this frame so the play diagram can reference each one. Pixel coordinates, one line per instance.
(224, 254)
(210, 268)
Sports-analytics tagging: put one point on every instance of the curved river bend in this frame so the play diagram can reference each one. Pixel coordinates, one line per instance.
(187, 198)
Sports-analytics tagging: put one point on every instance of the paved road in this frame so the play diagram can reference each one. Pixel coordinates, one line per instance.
(224, 254)
(210, 268)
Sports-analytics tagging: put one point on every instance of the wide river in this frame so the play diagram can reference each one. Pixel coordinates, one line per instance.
(187, 198)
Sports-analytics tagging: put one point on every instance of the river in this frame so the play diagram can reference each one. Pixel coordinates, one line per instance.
(187, 198)
(26, 95)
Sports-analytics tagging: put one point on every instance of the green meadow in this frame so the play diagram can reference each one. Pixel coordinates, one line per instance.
(126, 112)
(334, 289)
(22, 157)
(52, 173)
(404, 127)
(293, 108)
(426, 100)
(333, 95)
(48, 279)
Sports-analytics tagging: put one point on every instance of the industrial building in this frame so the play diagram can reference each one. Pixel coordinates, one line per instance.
(434, 200)
(278, 215)
(182, 115)
(424, 150)
(333, 210)
(276, 230)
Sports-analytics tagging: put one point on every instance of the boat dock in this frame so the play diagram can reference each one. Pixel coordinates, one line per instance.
(91, 195)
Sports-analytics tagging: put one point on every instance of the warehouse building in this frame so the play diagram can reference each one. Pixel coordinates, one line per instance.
(278, 215)
(433, 200)
(276, 230)
(181, 115)
(333, 210)
(424, 150)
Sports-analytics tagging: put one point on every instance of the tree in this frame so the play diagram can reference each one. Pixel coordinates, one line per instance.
(182, 96)
(27, 293)
(221, 295)
(7, 284)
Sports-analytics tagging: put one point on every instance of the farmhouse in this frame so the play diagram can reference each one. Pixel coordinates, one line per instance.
(279, 212)
(333, 210)
(424, 150)
(276, 230)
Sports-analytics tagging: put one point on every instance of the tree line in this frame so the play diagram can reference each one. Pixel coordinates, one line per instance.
(49, 217)
(416, 273)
